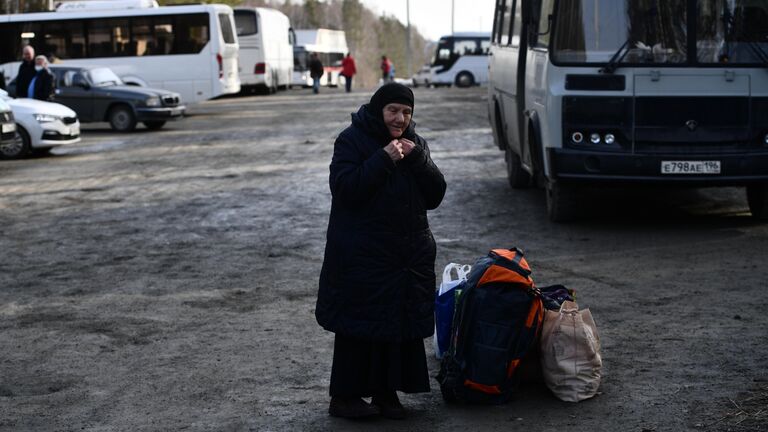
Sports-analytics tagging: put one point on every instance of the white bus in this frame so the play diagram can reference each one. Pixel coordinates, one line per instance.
(191, 50)
(669, 92)
(461, 59)
(266, 48)
(330, 46)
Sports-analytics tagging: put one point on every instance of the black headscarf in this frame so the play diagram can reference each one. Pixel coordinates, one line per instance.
(387, 94)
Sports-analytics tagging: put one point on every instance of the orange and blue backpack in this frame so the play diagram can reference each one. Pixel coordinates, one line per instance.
(498, 318)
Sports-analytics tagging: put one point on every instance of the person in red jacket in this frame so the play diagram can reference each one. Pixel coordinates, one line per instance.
(348, 70)
(386, 68)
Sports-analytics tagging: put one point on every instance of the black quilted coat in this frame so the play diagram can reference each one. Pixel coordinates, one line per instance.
(378, 278)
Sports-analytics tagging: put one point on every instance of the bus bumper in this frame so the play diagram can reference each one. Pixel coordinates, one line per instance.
(593, 167)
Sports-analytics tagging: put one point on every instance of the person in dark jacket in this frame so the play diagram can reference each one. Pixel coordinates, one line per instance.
(315, 71)
(26, 72)
(41, 87)
(377, 283)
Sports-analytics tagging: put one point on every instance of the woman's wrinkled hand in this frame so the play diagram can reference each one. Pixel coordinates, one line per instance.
(395, 150)
(407, 146)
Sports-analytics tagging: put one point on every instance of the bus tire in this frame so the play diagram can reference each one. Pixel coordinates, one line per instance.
(518, 178)
(464, 80)
(561, 201)
(757, 198)
(121, 118)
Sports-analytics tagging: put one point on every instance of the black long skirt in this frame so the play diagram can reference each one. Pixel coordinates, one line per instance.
(365, 368)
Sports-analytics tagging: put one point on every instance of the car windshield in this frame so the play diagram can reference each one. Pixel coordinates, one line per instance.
(592, 31)
(103, 77)
(656, 31)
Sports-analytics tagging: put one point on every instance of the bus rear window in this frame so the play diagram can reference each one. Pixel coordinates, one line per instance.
(226, 29)
(245, 22)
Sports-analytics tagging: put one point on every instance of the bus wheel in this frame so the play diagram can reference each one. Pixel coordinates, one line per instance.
(517, 176)
(561, 202)
(121, 118)
(464, 80)
(757, 198)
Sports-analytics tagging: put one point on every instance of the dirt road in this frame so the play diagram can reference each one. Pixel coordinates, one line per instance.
(160, 281)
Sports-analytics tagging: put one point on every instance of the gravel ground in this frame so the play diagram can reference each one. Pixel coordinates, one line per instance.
(159, 281)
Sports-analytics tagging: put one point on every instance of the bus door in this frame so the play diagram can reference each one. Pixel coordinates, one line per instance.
(537, 60)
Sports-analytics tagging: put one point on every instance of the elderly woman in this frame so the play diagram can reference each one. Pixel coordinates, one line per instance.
(377, 282)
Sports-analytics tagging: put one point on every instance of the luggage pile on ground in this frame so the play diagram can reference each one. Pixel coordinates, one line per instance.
(492, 323)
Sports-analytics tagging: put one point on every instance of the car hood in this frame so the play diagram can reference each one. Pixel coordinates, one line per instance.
(33, 106)
(137, 91)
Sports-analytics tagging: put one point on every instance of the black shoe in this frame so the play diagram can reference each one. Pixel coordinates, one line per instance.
(390, 406)
(351, 408)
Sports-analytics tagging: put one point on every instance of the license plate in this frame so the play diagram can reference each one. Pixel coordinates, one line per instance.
(690, 167)
(65, 131)
(9, 127)
(176, 111)
(74, 130)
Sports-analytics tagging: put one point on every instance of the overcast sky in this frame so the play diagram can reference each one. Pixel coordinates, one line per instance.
(433, 17)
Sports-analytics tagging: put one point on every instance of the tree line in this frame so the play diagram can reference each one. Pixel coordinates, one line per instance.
(368, 36)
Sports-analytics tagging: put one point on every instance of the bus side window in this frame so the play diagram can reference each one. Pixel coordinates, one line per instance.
(544, 27)
(506, 22)
(500, 26)
(517, 23)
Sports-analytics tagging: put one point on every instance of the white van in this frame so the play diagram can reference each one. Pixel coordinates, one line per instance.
(266, 48)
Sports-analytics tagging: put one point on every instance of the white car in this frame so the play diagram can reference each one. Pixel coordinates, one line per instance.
(41, 126)
(8, 135)
(423, 77)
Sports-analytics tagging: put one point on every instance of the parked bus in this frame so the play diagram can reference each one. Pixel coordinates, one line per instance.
(330, 46)
(266, 48)
(191, 50)
(671, 92)
(461, 59)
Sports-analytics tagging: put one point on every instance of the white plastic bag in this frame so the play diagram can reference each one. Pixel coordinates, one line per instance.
(570, 353)
(448, 283)
(444, 305)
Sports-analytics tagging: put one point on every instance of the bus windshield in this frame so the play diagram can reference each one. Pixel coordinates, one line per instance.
(657, 31)
(450, 48)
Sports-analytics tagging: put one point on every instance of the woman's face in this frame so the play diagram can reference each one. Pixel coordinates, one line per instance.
(397, 117)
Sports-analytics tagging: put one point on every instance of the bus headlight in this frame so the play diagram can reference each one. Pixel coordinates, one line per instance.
(577, 137)
(594, 138)
(153, 101)
(610, 139)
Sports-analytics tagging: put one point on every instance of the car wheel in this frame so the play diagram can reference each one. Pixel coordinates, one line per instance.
(17, 149)
(561, 202)
(121, 118)
(757, 198)
(464, 80)
(154, 125)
